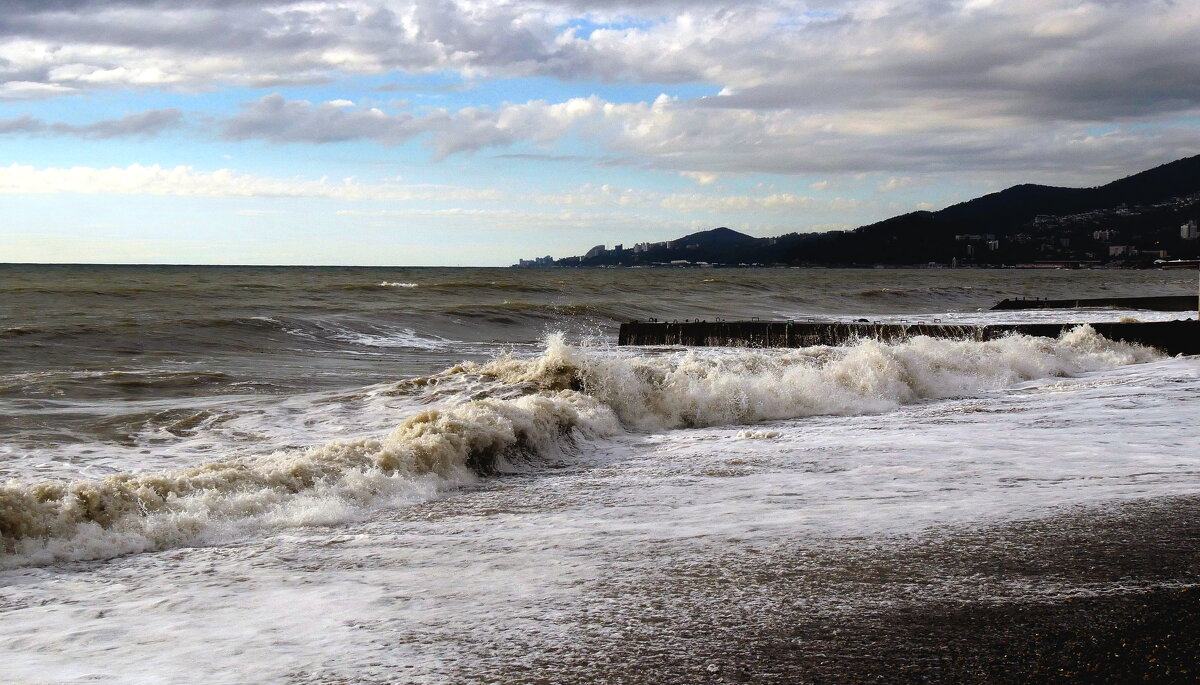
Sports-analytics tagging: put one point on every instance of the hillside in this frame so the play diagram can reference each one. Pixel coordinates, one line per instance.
(1133, 220)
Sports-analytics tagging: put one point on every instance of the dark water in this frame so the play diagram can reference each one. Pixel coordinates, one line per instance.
(260, 328)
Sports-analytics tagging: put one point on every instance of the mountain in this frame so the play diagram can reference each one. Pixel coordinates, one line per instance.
(716, 237)
(1133, 220)
(1021, 203)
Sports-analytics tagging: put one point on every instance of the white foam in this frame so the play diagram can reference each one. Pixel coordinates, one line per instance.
(511, 574)
(717, 387)
(985, 317)
(428, 453)
(382, 336)
(532, 408)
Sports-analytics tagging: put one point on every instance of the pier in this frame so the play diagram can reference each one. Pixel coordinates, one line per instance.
(1172, 337)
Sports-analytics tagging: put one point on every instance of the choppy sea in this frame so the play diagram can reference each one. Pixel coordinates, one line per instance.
(228, 475)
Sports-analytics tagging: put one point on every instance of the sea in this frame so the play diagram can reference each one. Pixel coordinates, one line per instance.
(444, 475)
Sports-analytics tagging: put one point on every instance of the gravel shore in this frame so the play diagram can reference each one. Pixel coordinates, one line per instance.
(1103, 595)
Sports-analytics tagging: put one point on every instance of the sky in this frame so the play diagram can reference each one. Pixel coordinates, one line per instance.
(478, 132)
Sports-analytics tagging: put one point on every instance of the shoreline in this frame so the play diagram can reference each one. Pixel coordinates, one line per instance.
(1106, 594)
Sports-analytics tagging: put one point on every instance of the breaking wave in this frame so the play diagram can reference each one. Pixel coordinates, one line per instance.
(708, 387)
(426, 454)
(530, 410)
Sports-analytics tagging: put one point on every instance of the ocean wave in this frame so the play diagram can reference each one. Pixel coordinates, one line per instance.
(429, 452)
(516, 311)
(100, 382)
(382, 336)
(930, 293)
(450, 286)
(707, 387)
(527, 409)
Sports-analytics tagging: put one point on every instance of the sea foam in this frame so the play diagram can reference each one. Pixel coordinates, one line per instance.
(529, 410)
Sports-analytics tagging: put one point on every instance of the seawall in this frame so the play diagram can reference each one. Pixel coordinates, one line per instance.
(1162, 303)
(1173, 337)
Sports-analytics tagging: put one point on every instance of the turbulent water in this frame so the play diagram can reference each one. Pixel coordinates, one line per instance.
(451, 452)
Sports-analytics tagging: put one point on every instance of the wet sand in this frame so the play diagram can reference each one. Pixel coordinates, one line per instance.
(1103, 595)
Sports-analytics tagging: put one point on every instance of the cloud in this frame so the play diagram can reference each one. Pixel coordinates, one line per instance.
(1080, 59)
(186, 181)
(22, 124)
(592, 196)
(260, 212)
(701, 142)
(142, 125)
(896, 183)
(537, 157)
(702, 177)
(511, 219)
(831, 86)
(470, 129)
(735, 203)
(278, 120)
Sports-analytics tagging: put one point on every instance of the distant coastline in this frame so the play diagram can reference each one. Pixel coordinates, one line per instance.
(1148, 220)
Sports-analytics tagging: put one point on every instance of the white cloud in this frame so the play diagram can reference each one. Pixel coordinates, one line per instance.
(702, 177)
(896, 183)
(687, 203)
(704, 143)
(512, 219)
(186, 181)
(736, 203)
(260, 212)
(30, 90)
(605, 195)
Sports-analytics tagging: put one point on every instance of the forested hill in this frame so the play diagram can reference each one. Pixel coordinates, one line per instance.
(1133, 220)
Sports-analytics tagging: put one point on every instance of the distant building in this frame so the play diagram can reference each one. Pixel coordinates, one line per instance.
(594, 252)
(1122, 251)
(1189, 231)
(538, 261)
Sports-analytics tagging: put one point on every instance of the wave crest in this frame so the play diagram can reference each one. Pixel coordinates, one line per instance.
(715, 387)
(526, 409)
(429, 452)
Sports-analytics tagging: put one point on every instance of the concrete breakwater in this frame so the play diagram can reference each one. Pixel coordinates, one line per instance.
(1172, 337)
(1162, 303)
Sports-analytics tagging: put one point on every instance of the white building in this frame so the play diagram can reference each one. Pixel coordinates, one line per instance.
(1189, 231)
